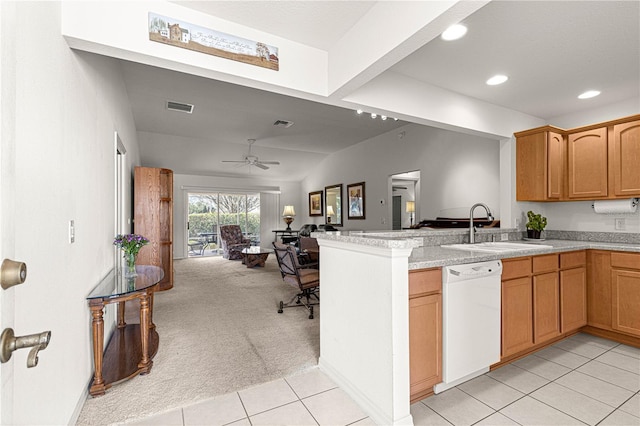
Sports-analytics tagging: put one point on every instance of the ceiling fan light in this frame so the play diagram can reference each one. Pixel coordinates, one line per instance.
(589, 94)
(454, 32)
(497, 79)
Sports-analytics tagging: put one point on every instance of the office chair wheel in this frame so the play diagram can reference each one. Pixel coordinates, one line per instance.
(310, 312)
(281, 307)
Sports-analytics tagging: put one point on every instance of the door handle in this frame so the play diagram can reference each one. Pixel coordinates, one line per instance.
(9, 343)
(12, 273)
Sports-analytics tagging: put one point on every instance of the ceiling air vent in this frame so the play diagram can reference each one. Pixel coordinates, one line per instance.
(283, 123)
(177, 106)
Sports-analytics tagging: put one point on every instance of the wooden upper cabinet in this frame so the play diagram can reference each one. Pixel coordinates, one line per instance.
(625, 159)
(587, 164)
(539, 166)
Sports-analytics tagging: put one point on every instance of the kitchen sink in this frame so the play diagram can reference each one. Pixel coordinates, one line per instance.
(496, 247)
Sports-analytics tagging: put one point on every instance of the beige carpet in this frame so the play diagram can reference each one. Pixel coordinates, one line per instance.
(219, 332)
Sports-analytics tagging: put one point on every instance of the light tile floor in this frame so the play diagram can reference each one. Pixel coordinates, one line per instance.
(580, 380)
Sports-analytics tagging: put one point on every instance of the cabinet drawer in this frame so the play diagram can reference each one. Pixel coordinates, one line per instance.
(425, 281)
(573, 259)
(625, 260)
(545, 263)
(514, 268)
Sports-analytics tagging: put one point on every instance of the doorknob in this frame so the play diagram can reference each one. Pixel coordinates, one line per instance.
(12, 273)
(9, 343)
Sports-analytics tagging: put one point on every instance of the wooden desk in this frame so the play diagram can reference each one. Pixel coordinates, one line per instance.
(131, 348)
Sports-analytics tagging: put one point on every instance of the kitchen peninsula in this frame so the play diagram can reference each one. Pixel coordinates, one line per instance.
(365, 287)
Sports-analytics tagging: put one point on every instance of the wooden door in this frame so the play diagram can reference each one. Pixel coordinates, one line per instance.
(425, 342)
(573, 298)
(546, 305)
(517, 328)
(625, 159)
(587, 163)
(599, 289)
(625, 292)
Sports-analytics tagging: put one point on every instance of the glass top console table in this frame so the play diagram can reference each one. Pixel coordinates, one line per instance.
(131, 348)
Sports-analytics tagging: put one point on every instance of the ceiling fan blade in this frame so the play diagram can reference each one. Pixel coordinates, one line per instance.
(262, 166)
(270, 162)
(233, 161)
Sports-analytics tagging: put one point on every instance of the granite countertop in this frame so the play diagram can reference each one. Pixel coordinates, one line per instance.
(434, 256)
(428, 251)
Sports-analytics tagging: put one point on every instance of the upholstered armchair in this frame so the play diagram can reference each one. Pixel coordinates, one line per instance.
(233, 242)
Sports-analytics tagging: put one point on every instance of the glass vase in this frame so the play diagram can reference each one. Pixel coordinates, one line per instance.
(130, 269)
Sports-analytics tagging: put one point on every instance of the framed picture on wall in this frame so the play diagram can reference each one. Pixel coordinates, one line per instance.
(355, 195)
(315, 203)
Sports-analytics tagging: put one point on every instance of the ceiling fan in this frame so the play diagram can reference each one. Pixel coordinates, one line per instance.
(252, 160)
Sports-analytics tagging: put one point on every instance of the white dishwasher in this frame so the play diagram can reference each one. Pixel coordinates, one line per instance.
(470, 320)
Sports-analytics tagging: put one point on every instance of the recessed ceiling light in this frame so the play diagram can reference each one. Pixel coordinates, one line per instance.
(497, 79)
(589, 94)
(454, 32)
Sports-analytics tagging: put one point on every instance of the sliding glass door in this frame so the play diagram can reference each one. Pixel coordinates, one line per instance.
(208, 211)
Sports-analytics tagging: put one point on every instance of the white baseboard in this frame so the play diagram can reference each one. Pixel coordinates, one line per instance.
(369, 407)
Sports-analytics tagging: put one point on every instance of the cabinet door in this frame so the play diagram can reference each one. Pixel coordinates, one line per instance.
(546, 305)
(555, 165)
(517, 329)
(599, 289)
(587, 163)
(573, 298)
(539, 166)
(626, 157)
(625, 292)
(425, 342)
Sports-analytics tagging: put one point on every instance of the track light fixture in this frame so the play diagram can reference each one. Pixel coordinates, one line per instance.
(375, 115)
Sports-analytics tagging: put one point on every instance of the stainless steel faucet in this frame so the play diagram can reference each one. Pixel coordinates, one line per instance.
(472, 228)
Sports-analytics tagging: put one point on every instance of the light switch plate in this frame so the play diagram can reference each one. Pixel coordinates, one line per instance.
(620, 224)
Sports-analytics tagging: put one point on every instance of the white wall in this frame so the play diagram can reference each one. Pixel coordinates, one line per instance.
(270, 219)
(456, 171)
(67, 107)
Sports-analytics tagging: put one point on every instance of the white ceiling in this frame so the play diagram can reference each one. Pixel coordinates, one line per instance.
(552, 52)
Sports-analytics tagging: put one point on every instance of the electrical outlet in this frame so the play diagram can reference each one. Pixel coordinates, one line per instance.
(504, 237)
(620, 225)
(72, 232)
(383, 221)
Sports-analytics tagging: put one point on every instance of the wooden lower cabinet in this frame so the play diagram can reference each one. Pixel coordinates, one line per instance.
(573, 299)
(599, 289)
(625, 292)
(517, 316)
(543, 297)
(425, 331)
(546, 303)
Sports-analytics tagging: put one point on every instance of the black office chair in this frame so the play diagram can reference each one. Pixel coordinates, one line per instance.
(303, 277)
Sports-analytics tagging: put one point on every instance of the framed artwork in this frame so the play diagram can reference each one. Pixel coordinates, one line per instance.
(315, 203)
(174, 32)
(355, 195)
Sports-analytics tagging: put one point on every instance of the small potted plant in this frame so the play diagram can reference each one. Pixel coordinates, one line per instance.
(535, 224)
